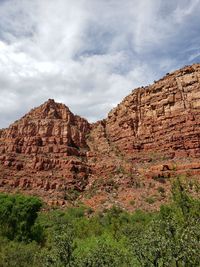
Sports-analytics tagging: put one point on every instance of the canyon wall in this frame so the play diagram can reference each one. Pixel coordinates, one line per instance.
(162, 117)
(153, 134)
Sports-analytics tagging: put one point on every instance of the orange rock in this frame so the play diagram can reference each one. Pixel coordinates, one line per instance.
(153, 132)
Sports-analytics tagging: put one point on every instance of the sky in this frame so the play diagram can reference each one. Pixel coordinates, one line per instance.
(90, 54)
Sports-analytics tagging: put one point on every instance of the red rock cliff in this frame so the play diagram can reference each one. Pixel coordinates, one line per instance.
(162, 117)
(153, 133)
(45, 151)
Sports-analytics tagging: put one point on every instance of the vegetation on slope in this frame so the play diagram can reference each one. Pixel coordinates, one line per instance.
(76, 237)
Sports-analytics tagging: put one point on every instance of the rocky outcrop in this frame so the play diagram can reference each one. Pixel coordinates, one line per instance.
(151, 136)
(163, 117)
(45, 150)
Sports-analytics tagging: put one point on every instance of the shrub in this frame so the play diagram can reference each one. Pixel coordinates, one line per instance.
(172, 237)
(161, 190)
(103, 252)
(150, 200)
(18, 254)
(17, 216)
(132, 202)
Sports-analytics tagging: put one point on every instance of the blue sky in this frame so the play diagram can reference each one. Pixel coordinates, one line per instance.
(89, 54)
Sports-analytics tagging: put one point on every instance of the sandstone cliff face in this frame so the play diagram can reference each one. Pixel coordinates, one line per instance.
(49, 128)
(161, 117)
(152, 135)
(45, 150)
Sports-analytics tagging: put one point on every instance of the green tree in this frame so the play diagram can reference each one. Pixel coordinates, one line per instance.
(18, 254)
(173, 238)
(17, 216)
(63, 247)
(103, 251)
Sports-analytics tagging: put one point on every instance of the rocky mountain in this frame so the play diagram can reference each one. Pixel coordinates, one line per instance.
(127, 159)
(45, 152)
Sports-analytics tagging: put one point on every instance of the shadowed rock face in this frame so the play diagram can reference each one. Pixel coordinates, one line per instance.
(152, 135)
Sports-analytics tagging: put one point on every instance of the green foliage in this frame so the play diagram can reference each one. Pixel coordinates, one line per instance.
(173, 237)
(161, 190)
(180, 197)
(112, 238)
(17, 216)
(63, 247)
(18, 254)
(103, 252)
(132, 202)
(71, 194)
(150, 200)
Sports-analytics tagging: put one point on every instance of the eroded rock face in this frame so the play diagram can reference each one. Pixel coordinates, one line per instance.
(151, 136)
(162, 117)
(155, 126)
(45, 151)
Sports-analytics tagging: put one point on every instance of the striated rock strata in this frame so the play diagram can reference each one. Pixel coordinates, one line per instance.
(151, 136)
(45, 152)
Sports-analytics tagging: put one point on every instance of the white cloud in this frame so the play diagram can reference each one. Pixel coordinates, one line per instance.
(88, 54)
(184, 10)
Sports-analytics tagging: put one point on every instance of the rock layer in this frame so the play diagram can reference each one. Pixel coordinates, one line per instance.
(45, 151)
(162, 117)
(152, 135)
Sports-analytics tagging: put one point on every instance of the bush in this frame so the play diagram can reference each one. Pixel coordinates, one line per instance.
(161, 190)
(103, 252)
(114, 237)
(150, 200)
(14, 254)
(17, 216)
(172, 238)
